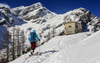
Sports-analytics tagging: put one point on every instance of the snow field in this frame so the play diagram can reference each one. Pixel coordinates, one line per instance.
(57, 50)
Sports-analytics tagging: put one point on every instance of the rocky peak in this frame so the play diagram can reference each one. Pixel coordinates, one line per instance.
(31, 12)
(5, 16)
(36, 5)
(30, 8)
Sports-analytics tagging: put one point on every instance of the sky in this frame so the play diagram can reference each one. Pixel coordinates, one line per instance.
(59, 6)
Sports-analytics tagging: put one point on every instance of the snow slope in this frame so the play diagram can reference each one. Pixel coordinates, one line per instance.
(67, 49)
(52, 51)
(88, 50)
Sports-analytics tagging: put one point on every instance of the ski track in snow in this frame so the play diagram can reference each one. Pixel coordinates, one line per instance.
(39, 58)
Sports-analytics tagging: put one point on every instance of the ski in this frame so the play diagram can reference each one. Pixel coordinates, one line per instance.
(31, 55)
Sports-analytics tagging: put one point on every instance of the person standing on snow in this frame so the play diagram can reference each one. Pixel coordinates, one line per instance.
(32, 39)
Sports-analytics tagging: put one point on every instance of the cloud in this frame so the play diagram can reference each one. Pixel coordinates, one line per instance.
(4, 5)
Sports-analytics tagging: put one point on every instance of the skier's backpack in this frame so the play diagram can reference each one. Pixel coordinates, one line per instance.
(31, 35)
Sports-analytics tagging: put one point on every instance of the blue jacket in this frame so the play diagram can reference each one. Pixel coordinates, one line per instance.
(34, 38)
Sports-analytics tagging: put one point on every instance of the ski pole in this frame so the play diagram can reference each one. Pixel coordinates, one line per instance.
(39, 46)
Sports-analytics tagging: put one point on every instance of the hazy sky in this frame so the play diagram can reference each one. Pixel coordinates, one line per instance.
(59, 6)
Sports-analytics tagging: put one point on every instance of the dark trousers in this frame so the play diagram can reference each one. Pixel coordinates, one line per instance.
(33, 45)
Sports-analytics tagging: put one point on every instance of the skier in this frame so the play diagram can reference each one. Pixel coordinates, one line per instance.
(32, 39)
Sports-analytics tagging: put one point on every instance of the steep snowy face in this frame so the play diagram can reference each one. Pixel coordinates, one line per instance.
(5, 16)
(31, 12)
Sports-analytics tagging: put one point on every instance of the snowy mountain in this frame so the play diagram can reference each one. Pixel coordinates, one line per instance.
(46, 22)
(37, 17)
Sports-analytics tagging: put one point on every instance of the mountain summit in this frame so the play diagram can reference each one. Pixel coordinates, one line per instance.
(31, 12)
